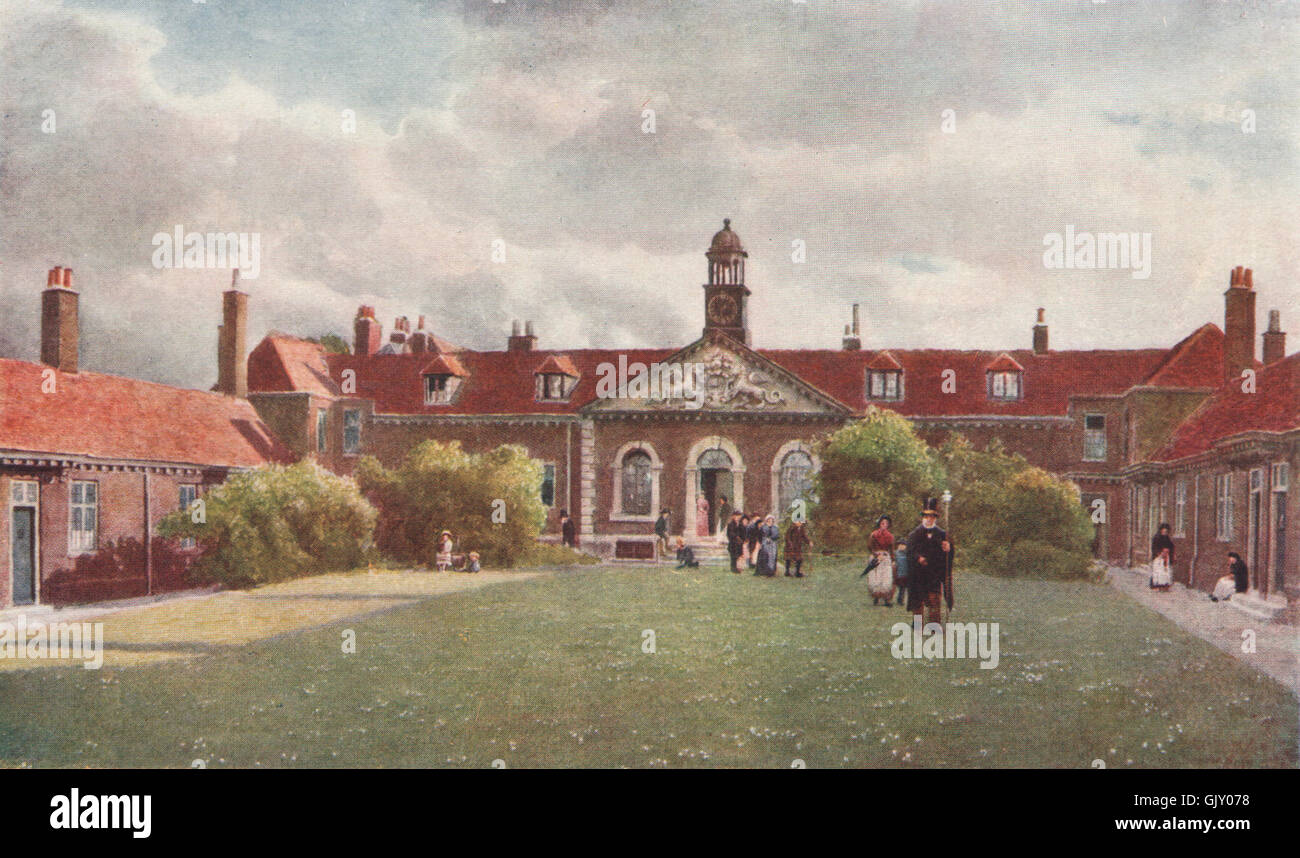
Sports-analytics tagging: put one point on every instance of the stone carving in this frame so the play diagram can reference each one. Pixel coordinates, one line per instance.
(728, 384)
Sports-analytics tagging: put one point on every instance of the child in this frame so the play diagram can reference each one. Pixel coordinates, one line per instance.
(685, 556)
(900, 573)
(1224, 588)
(473, 564)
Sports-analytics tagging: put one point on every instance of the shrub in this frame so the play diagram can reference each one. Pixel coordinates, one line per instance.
(439, 486)
(542, 554)
(1010, 518)
(874, 466)
(276, 522)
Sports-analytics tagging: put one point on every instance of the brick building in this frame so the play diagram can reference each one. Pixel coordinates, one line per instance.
(89, 463)
(1111, 420)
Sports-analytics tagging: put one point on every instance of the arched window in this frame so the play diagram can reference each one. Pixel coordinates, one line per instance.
(796, 477)
(637, 483)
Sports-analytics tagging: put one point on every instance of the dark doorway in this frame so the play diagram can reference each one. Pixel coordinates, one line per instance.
(715, 484)
(1279, 541)
(24, 555)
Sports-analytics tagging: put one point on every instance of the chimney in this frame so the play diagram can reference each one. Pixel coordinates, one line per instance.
(60, 329)
(852, 342)
(1238, 324)
(1274, 339)
(525, 342)
(232, 341)
(367, 333)
(1040, 334)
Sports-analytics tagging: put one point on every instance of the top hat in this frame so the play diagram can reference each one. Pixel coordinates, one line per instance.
(931, 507)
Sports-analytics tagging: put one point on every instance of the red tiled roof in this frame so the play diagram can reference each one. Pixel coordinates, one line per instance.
(1196, 361)
(444, 365)
(281, 362)
(1273, 407)
(884, 360)
(1004, 363)
(110, 417)
(1049, 379)
(501, 382)
(559, 363)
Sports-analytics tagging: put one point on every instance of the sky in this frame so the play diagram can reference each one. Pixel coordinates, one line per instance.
(920, 152)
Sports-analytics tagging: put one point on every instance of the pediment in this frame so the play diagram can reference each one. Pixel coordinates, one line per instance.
(728, 378)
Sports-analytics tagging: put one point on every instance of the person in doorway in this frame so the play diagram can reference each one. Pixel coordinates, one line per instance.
(702, 528)
(568, 533)
(1162, 559)
(724, 515)
(1240, 574)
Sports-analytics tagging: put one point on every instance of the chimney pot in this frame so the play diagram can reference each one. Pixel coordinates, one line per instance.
(67, 278)
(1274, 339)
(60, 327)
(1238, 325)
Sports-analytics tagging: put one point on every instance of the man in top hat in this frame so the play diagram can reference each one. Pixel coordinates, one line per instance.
(929, 553)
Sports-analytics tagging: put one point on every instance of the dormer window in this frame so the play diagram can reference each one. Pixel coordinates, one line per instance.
(1005, 379)
(442, 380)
(885, 378)
(555, 379)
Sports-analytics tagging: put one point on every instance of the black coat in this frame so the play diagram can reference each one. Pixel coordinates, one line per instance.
(568, 533)
(751, 532)
(1159, 542)
(735, 535)
(935, 574)
(1241, 575)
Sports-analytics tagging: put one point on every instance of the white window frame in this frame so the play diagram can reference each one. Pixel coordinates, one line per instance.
(554, 483)
(885, 385)
(187, 541)
(322, 429)
(1223, 507)
(78, 541)
(355, 449)
(441, 393)
(1180, 508)
(999, 385)
(1091, 437)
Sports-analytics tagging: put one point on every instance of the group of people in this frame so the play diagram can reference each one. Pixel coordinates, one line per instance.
(446, 560)
(755, 539)
(1237, 579)
(917, 570)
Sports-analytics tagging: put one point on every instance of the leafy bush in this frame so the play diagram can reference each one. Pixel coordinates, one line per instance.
(1010, 518)
(439, 486)
(542, 554)
(276, 522)
(874, 466)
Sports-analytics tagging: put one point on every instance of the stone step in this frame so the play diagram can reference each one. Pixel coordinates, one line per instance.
(1257, 608)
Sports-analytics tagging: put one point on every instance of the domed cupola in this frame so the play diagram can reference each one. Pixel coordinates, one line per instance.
(725, 293)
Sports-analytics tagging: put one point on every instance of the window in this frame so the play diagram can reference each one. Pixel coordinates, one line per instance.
(322, 427)
(1180, 508)
(796, 478)
(548, 484)
(1094, 437)
(437, 389)
(84, 516)
(352, 430)
(637, 483)
(1223, 507)
(885, 384)
(1156, 515)
(1281, 476)
(552, 386)
(189, 493)
(1004, 385)
(1141, 517)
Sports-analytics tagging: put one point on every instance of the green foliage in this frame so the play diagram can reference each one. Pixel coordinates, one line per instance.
(335, 345)
(276, 522)
(874, 466)
(543, 554)
(1010, 518)
(438, 486)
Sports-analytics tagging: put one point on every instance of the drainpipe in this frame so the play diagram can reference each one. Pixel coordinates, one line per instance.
(148, 540)
(1196, 528)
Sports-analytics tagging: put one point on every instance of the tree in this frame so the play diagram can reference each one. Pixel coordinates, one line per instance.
(874, 466)
(489, 501)
(335, 345)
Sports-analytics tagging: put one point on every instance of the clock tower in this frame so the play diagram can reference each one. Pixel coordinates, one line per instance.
(725, 293)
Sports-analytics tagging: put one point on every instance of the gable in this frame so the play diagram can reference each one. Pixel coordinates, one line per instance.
(715, 374)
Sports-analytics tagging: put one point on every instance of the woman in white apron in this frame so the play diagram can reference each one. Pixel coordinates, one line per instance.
(1162, 559)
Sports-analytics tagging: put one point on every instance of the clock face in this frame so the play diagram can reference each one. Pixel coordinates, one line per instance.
(722, 309)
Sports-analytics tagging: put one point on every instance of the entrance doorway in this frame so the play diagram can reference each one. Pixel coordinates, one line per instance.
(1281, 478)
(1253, 545)
(714, 468)
(24, 555)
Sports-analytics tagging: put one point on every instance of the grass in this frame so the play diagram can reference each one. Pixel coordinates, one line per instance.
(550, 671)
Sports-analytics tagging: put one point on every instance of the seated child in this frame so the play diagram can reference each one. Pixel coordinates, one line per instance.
(473, 564)
(685, 555)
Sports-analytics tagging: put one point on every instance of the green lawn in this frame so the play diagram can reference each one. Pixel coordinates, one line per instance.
(749, 672)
